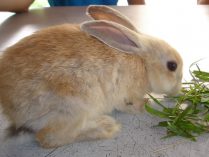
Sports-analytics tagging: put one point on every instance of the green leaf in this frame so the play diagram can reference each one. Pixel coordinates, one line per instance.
(156, 101)
(163, 124)
(201, 75)
(183, 114)
(155, 112)
(168, 110)
(178, 131)
(206, 117)
(192, 128)
(205, 98)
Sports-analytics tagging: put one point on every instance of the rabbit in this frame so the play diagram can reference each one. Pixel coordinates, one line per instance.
(62, 82)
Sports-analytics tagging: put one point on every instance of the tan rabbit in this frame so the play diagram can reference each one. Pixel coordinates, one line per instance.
(62, 81)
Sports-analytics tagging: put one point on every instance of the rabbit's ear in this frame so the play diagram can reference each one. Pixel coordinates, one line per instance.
(113, 34)
(101, 12)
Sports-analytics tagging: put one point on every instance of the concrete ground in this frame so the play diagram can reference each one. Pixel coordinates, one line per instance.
(137, 139)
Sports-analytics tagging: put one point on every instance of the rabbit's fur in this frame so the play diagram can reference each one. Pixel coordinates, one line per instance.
(61, 82)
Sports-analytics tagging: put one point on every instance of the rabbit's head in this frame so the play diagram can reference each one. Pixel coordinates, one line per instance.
(163, 63)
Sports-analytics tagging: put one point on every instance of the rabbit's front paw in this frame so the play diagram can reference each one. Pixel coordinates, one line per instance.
(49, 138)
(44, 139)
(101, 128)
(52, 136)
(107, 126)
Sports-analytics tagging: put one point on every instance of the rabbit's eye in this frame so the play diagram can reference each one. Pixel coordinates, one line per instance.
(172, 65)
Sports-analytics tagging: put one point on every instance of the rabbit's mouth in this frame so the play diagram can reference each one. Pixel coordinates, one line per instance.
(176, 91)
(166, 87)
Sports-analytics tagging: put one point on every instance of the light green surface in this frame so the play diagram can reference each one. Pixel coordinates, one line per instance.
(39, 4)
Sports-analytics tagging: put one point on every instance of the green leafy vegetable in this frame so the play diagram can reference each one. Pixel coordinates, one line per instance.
(193, 120)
